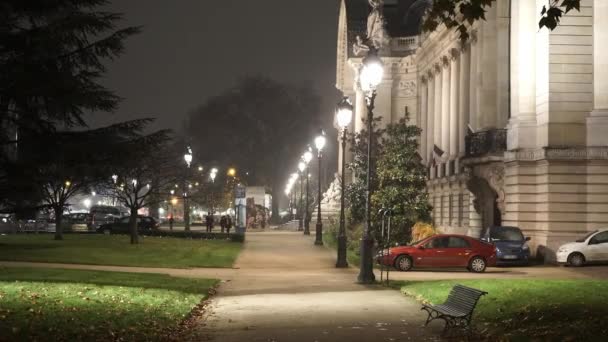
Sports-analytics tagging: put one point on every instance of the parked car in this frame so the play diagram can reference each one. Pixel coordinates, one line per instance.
(121, 226)
(447, 250)
(511, 245)
(102, 214)
(76, 222)
(590, 249)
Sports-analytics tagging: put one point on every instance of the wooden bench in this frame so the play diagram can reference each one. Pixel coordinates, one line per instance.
(457, 310)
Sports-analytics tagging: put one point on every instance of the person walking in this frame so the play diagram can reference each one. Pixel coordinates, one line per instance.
(209, 222)
(228, 224)
(223, 223)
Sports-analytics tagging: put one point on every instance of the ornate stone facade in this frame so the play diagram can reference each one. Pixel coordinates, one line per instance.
(513, 120)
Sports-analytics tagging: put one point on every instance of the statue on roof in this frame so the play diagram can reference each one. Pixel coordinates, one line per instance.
(377, 36)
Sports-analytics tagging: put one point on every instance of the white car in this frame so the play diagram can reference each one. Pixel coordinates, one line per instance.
(592, 248)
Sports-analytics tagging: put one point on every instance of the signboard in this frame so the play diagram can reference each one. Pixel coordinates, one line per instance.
(240, 191)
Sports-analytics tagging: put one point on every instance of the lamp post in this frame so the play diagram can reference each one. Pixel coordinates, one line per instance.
(344, 115)
(301, 215)
(307, 157)
(319, 144)
(370, 76)
(188, 160)
(212, 175)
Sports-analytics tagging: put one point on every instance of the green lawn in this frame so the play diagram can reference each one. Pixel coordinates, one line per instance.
(74, 305)
(529, 309)
(115, 250)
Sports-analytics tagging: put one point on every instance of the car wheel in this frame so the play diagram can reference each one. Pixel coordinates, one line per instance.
(576, 259)
(106, 232)
(403, 263)
(477, 265)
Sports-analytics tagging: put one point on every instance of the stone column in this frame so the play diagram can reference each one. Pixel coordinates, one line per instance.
(454, 83)
(474, 79)
(423, 118)
(430, 110)
(445, 106)
(524, 27)
(597, 122)
(438, 105)
(487, 88)
(360, 110)
(464, 95)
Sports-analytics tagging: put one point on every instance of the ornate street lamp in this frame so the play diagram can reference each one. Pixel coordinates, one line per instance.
(344, 115)
(370, 76)
(301, 168)
(188, 160)
(307, 158)
(320, 141)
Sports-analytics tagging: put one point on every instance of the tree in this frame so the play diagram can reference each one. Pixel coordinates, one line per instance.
(402, 179)
(461, 14)
(260, 126)
(58, 165)
(355, 191)
(52, 56)
(147, 172)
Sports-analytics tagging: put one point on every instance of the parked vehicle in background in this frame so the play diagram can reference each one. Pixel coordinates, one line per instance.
(76, 222)
(7, 224)
(511, 245)
(592, 248)
(102, 214)
(145, 224)
(446, 250)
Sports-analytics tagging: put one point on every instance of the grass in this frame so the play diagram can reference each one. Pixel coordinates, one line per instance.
(74, 305)
(115, 250)
(529, 309)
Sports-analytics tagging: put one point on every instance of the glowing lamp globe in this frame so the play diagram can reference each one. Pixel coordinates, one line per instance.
(307, 156)
(320, 141)
(344, 113)
(372, 72)
(301, 166)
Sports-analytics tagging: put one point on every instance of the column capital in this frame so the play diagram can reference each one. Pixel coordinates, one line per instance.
(423, 79)
(438, 67)
(445, 60)
(473, 36)
(454, 53)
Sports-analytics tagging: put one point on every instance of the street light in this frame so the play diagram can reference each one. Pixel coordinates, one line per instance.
(370, 76)
(188, 156)
(307, 157)
(344, 115)
(188, 160)
(320, 141)
(301, 168)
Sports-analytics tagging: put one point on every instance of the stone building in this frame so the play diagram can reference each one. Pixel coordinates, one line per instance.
(514, 121)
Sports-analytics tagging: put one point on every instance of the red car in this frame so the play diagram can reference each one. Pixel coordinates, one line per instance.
(447, 250)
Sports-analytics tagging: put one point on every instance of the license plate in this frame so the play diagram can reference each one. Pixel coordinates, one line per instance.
(510, 257)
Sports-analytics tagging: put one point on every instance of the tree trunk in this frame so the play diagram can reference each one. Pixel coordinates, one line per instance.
(58, 226)
(133, 227)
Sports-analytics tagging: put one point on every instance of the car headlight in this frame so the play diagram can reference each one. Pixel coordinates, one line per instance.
(562, 250)
(525, 247)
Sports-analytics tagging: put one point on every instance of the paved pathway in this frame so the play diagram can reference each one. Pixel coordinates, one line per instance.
(287, 289)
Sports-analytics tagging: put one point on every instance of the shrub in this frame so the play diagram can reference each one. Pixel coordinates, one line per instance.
(422, 230)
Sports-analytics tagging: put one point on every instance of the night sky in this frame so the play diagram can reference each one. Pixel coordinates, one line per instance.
(192, 49)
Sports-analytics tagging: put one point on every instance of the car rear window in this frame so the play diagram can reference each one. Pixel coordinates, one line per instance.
(506, 234)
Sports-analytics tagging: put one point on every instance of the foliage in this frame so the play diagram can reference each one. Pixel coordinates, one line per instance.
(353, 236)
(52, 58)
(260, 126)
(401, 180)
(355, 191)
(536, 309)
(144, 175)
(74, 305)
(461, 14)
(111, 250)
(422, 230)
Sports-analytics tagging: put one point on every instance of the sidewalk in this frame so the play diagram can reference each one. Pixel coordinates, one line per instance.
(287, 289)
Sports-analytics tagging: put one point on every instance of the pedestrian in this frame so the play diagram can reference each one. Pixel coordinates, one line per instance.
(171, 222)
(223, 223)
(228, 223)
(209, 222)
